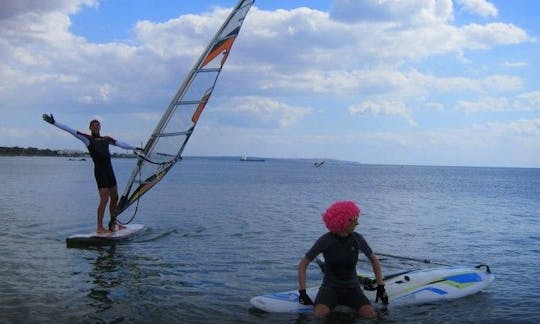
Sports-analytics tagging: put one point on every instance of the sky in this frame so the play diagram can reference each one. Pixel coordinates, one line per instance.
(421, 82)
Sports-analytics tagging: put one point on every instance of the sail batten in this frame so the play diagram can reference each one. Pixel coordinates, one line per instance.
(172, 133)
(209, 70)
(190, 102)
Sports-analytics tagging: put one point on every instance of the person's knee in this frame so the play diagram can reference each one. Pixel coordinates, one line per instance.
(103, 200)
(321, 311)
(367, 311)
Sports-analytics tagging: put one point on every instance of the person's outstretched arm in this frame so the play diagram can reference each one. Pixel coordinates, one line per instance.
(50, 119)
(124, 145)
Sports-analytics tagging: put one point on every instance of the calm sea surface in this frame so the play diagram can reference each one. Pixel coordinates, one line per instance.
(222, 231)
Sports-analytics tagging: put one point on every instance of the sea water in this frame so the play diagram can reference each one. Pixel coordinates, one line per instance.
(221, 231)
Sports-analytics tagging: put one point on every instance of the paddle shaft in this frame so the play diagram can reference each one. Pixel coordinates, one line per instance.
(411, 259)
(320, 263)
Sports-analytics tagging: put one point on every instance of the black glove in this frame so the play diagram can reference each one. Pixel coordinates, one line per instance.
(303, 298)
(381, 293)
(48, 118)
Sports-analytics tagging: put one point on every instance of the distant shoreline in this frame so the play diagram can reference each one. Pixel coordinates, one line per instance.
(32, 151)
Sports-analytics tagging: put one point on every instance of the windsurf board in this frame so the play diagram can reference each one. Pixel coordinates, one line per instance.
(412, 287)
(94, 238)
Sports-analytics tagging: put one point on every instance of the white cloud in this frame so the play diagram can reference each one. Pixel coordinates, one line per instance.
(524, 128)
(262, 112)
(486, 104)
(185, 36)
(485, 36)
(481, 7)
(515, 64)
(528, 101)
(328, 56)
(12, 8)
(318, 40)
(14, 132)
(502, 83)
(434, 106)
(408, 12)
(383, 107)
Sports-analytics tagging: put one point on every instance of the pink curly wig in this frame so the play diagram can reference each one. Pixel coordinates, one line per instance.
(338, 216)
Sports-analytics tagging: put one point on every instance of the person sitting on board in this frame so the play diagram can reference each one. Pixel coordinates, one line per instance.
(340, 248)
(98, 147)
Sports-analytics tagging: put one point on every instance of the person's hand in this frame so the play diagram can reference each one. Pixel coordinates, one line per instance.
(303, 298)
(48, 118)
(381, 294)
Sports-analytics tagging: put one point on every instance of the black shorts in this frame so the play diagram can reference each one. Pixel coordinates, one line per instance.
(331, 296)
(105, 178)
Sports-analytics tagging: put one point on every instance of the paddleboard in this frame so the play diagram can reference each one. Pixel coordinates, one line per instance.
(409, 288)
(94, 238)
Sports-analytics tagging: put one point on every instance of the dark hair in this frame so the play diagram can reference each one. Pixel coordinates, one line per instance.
(94, 121)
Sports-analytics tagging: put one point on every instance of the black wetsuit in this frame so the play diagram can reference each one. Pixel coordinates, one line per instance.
(340, 284)
(98, 148)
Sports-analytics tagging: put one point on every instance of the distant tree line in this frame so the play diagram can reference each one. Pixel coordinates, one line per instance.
(32, 151)
(27, 151)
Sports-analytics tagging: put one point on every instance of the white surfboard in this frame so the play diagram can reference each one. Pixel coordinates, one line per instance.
(94, 238)
(413, 287)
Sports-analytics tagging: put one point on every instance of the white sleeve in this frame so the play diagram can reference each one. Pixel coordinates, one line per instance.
(123, 145)
(72, 132)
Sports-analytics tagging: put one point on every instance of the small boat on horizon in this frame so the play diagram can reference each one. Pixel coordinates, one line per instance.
(251, 159)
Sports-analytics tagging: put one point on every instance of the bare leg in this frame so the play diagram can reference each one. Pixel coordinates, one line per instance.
(113, 192)
(103, 200)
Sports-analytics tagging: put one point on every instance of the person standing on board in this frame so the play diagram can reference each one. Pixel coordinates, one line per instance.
(98, 147)
(340, 248)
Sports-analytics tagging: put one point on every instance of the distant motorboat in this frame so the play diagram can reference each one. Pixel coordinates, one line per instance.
(318, 164)
(251, 159)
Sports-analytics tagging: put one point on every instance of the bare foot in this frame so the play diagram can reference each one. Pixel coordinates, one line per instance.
(118, 227)
(103, 231)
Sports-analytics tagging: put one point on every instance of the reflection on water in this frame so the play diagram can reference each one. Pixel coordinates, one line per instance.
(105, 276)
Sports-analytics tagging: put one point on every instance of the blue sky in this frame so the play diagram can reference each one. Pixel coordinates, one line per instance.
(429, 82)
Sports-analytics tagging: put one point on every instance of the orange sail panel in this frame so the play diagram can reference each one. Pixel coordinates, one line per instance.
(200, 108)
(224, 47)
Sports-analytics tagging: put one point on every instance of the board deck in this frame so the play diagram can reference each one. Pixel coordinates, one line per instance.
(414, 287)
(94, 238)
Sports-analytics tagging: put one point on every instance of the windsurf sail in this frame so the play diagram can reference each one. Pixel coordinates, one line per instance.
(166, 144)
